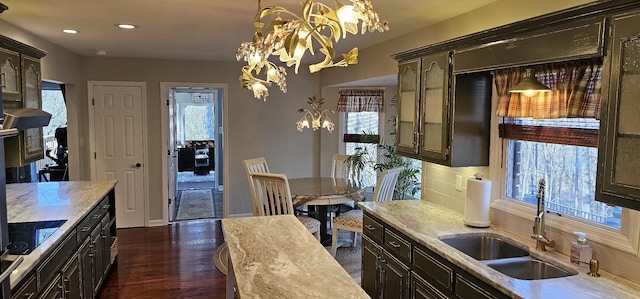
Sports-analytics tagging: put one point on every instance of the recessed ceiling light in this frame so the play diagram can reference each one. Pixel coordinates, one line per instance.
(127, 26)
(71, 31)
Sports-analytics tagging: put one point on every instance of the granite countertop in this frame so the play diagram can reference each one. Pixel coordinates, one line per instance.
(69, 201)
(276, 257)
(424, 222)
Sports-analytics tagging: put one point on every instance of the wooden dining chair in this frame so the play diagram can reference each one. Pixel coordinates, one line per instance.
(352, 220)
(257, 165)
(272, 196)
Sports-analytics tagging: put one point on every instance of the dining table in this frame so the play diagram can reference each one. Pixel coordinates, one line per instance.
(319, 193)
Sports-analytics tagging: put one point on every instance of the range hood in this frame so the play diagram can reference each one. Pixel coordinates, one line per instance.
(25, 118)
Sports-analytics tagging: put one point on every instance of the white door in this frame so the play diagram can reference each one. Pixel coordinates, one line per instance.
(118, 145)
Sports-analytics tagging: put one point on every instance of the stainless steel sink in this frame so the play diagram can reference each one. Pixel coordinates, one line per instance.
(485, 247)
(528, 268)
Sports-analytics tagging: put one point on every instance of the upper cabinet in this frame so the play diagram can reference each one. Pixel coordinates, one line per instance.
(10, 77)
(408, 99)
(443, 119)
(619, 150)
(21, 80)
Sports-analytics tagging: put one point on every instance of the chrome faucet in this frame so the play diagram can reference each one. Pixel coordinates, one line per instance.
(539, 233)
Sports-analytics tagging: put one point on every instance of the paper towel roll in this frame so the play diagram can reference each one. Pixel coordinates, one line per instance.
(476, 208)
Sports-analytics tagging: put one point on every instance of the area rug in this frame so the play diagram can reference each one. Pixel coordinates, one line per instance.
(348, 257)
(195, 204)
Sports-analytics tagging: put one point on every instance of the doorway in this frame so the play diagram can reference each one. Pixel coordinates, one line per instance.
(195, 148)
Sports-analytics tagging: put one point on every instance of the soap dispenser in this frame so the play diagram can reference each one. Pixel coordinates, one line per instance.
(581, 252)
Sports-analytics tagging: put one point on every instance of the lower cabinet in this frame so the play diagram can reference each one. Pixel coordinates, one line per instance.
(396, 266)
(78, 266)
(72, 279)
(383, 276)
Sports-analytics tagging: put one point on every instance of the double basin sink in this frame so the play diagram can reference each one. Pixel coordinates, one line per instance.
(505, 257)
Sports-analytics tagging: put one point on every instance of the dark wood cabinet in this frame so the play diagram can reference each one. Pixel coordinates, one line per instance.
(443, 118)
(399, 267)
(72, 279)
(618, 156)
(370, 278)
(395, 277)
(78, 266)
(10, 78)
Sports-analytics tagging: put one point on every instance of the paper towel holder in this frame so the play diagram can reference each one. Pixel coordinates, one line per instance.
(478, 176)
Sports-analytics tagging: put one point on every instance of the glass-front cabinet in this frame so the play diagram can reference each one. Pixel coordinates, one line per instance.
(434, 102)
(619, 154)
(10, 77)
(408, 107)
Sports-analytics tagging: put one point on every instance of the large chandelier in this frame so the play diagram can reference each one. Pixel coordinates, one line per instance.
(318, 116)
(291, 35)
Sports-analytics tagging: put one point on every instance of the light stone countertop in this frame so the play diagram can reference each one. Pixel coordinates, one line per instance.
(424, 222)
(276, 257)
(69, 201)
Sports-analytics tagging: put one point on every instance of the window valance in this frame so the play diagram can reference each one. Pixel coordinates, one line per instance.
(361, 100)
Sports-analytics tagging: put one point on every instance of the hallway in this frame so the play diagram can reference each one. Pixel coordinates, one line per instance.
(197, 197)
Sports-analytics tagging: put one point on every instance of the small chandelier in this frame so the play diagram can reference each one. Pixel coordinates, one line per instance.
(529, 86)
(318, 116)
(291, 35)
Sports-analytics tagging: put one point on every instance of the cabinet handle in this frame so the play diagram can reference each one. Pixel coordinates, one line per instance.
(91, 252)
(106, 206)
(85, 229)
(66, 290)
(394, 244)
(370, 227)
(96, 216)
(29, 295)
(3, 80)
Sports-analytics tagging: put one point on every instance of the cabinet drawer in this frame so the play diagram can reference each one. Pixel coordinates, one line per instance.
(28, 290)
(421, 289)
(103, 206)
(372, 229)
(467, 289)
(398, 246)
(52, 265)
(431, 266)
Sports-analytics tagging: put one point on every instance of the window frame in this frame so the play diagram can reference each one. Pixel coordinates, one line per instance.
(627, 239)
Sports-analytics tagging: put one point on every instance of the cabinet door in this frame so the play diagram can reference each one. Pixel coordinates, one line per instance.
(10, 78)
(618, 150)
(408, 107)
(370, 278)
(106, 244)
(28, 290)
(71, 279)
(98, 251)
(434, 125)
(86, 265)
(32, 82)
(395, 278)
(53, 290)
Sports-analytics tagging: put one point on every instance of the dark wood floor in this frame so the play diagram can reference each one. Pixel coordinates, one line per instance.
(174, 261)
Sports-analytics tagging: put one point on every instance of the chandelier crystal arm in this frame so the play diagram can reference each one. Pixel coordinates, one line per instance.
(291, 35)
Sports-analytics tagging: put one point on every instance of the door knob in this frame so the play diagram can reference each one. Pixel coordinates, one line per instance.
(137, 165)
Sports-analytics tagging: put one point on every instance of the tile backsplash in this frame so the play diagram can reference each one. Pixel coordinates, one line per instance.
(439, 184)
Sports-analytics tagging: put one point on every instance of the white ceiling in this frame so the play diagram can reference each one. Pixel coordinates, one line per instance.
(194, 29)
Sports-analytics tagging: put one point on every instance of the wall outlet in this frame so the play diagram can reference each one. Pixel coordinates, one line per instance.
(458, 182)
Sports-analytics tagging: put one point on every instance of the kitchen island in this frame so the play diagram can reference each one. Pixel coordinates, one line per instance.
(276, 257)
(83, 244)
(423, 223)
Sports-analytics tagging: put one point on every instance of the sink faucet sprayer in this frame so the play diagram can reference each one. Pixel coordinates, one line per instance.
(539, 233)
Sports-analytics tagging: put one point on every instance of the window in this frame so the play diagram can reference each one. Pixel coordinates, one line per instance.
(569, 172)
(359, 123)
(198, 123)
(52, 102)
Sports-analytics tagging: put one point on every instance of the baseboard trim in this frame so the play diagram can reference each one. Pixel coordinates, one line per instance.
(155, 223)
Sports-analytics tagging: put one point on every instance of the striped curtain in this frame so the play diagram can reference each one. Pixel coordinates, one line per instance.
(361, 100)
(575, 91)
